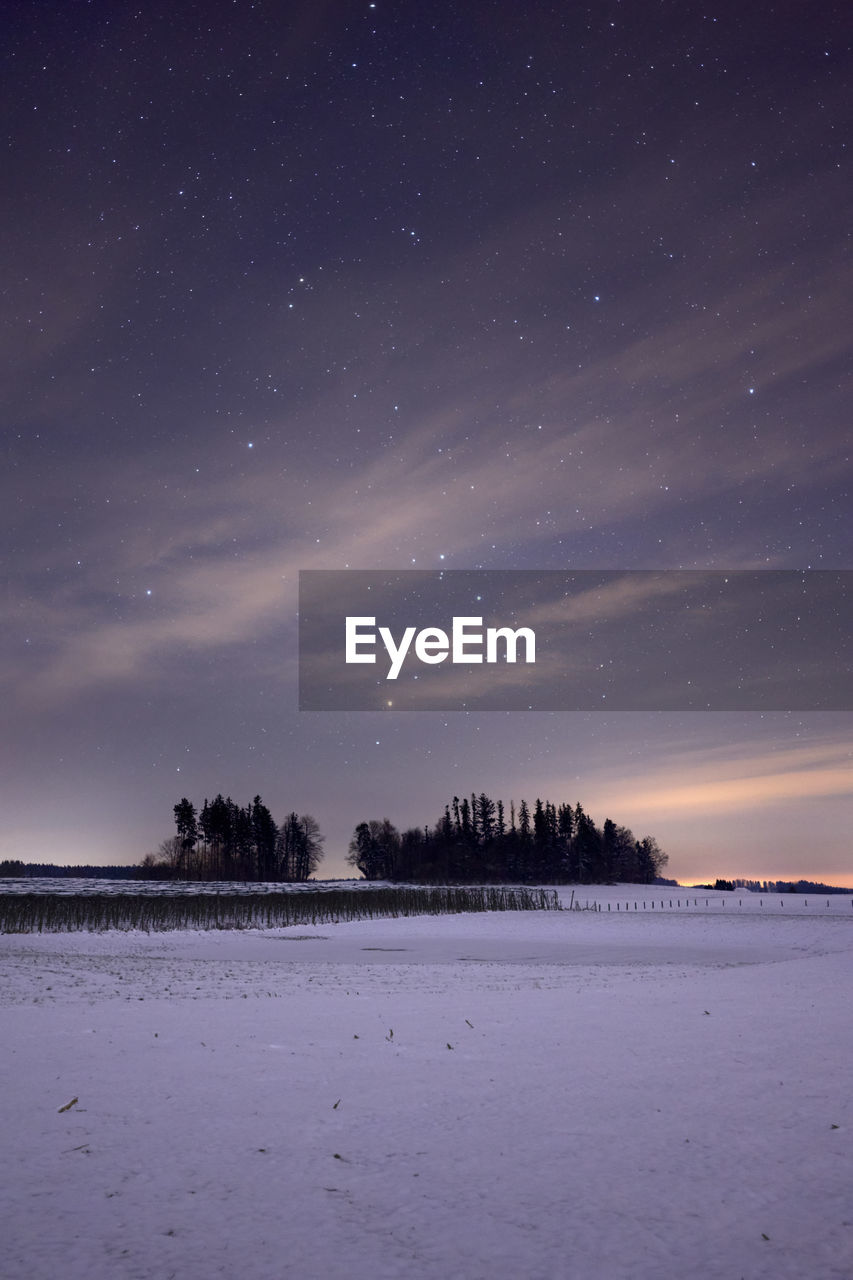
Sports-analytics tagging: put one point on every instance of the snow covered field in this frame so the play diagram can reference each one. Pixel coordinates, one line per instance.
(646, 1095)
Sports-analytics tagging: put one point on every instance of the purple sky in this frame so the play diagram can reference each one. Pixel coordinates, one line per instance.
(393, 286)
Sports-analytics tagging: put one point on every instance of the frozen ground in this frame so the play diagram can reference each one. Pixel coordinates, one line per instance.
(632, 1095)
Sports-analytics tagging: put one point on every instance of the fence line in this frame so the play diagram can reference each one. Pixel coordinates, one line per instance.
(59, 913)
(676, 904)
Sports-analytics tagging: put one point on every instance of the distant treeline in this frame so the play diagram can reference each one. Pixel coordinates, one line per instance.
(476, 841)
(788, 886)
(44, 870)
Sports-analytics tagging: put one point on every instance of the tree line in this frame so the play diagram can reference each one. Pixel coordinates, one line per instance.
(477, 841)
(223, 841)
(788, 886)
(13, 868)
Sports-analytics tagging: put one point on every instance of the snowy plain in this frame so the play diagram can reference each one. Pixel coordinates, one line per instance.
(624, 1095)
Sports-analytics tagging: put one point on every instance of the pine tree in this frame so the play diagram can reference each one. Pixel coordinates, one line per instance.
(187, 828)
(486, 813)
(264, 837)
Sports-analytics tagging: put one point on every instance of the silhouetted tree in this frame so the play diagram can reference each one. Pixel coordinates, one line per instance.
(650, 860)
(187, 825)
(299, 847)
(264, 840)
(374, 849)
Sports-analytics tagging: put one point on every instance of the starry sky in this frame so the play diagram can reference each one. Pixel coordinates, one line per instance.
(394, 285)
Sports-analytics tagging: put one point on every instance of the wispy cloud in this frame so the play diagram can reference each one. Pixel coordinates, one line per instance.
(704, 783)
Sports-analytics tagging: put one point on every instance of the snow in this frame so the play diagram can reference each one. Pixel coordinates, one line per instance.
(644, 1094)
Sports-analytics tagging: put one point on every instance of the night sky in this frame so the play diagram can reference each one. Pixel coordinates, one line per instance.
(393, 285)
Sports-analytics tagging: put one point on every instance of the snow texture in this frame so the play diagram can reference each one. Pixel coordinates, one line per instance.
(646, 1094)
